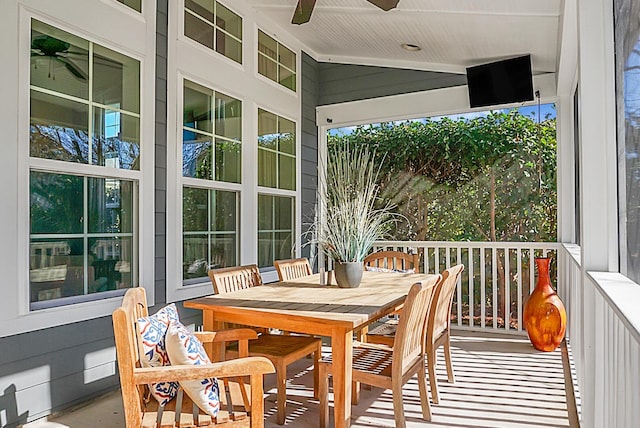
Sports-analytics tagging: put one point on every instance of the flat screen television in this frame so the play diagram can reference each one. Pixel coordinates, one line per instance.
(501, 82)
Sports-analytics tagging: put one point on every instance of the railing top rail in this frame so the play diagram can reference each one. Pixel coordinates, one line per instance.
(622, 295)
(470, 244)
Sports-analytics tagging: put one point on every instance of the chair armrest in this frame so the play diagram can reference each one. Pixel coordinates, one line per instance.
(228, 335)
(249, 366)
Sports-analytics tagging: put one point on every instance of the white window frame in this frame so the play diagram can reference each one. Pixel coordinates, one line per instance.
(274, 191)
(130, 33)
(188, 59)
(203, 183)
(183, 37)
(278, 64)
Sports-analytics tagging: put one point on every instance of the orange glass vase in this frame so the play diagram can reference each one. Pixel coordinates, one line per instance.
(544, 315)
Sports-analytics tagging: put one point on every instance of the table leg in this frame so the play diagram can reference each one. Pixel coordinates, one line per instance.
(342, 353)
(209, 323)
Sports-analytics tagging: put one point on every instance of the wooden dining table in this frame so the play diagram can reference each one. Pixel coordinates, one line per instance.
(304, 305)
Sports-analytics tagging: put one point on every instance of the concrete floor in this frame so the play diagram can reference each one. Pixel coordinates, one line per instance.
(501, 381)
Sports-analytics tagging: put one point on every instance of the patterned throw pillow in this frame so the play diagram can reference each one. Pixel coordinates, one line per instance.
(381, 269)
(152, 331)
(184, 347)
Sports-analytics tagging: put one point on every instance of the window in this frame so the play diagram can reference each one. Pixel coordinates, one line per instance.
(276, 62)
(210, 229)
(211, 134)
(627, 45)
(133, 4)
(213, 25)
(211, 138)
(276, 151)
(275, 228)
(84, 168)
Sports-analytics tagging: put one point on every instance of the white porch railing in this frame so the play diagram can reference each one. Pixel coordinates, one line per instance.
(604, 338)
(497, 279)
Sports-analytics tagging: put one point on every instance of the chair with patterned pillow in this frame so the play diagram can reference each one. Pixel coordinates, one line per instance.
(281, 350)
(392, 261)
(146, 378)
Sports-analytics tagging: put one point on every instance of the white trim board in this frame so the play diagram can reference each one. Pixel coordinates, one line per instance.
(417, 105)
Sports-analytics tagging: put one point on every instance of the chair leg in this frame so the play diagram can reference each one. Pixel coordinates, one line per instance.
(447, 357)
(355, 393)
(398, 406)
(317, 356)
(281, 376)
(323, 392)
(424, 397)
(431, 367)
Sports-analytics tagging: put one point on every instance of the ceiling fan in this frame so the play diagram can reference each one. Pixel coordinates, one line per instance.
(46, 46)
(304, 8)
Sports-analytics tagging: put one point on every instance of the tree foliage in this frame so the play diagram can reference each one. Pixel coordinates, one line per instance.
(491, 178)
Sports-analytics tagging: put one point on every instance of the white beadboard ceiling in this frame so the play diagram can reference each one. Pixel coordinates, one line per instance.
(453, 34)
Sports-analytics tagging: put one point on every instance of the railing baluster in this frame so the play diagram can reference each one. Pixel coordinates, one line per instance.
(426, 259)
(532, 270)
(507, 290)
(519, 289)
(459, 289)
(494, 279)
(436, 260)
(483, 300)
(448, 257)
(471, 295)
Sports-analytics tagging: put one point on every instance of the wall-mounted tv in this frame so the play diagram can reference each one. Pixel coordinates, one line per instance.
(501, 82)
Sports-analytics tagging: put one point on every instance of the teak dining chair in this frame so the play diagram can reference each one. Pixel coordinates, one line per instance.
(391, 368)
(281, 350)
(393, 260)
(437, 329)
(140, 412)
(292, 268)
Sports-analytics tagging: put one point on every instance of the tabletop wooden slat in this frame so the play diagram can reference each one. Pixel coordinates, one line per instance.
(307, 298)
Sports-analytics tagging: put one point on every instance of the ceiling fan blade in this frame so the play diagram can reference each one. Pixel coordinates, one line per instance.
(73, 69)
(302, 14)
(385, 4)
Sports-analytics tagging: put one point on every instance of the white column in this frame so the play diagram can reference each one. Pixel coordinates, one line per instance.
(598, 177)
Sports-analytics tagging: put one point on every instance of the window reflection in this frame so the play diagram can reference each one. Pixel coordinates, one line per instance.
(211, 24)
(627, 32)
(275, 229)
(71, 255)
(210, 224)
(276, 151)
(276, 62)
(211, 134)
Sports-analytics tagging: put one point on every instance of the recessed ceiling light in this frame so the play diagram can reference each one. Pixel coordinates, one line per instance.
(410, 47)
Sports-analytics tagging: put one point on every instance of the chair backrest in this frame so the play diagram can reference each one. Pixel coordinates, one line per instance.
(440, 311)
(235, 278)
(396, 260)
(292, 268)
(134, 306)
(407, 346)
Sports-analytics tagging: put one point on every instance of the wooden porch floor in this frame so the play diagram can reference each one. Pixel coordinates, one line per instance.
(501, 381)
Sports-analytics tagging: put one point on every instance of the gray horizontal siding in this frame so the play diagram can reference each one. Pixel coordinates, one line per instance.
(344, 82)
(54, 368)
(309, 144)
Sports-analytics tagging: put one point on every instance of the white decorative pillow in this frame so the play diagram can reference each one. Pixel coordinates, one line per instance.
(381, 269)
(152, 330)
(184, 347)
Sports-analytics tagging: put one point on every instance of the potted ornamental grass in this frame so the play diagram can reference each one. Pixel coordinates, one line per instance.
(349, 221)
